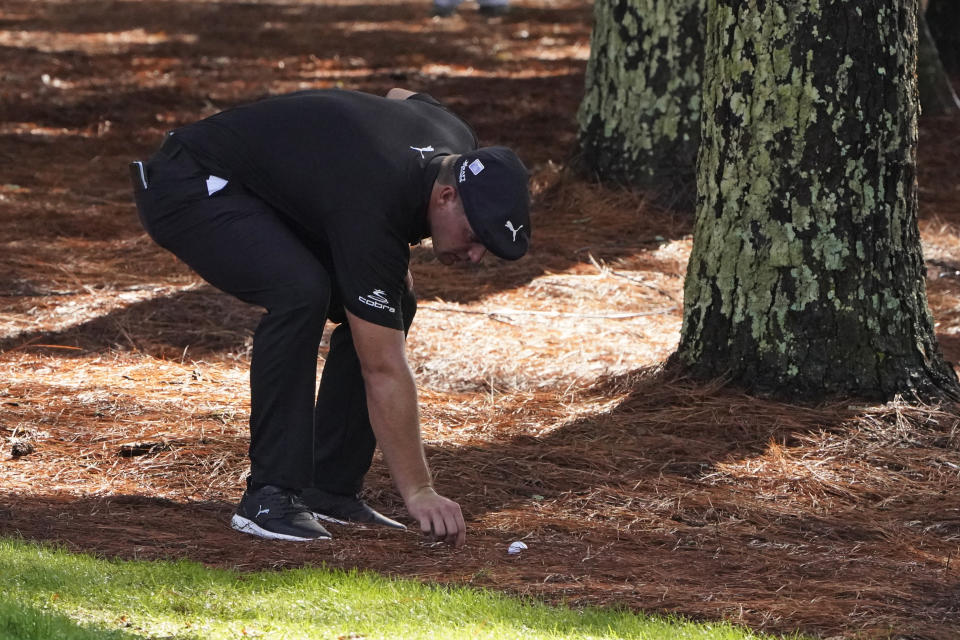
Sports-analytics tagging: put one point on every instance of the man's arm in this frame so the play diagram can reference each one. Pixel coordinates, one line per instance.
(392, 405)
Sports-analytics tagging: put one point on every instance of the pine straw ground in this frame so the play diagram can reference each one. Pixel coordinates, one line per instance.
(546, 413)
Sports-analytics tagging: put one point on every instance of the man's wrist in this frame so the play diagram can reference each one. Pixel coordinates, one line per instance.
(412, 493)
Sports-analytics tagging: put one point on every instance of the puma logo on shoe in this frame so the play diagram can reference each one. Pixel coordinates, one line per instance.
(509, 226)
(261, 512)
(422, 149)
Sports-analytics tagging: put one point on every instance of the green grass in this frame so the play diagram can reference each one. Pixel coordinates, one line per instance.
(50, 593)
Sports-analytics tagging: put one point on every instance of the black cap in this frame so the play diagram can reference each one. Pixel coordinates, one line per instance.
(492, 183)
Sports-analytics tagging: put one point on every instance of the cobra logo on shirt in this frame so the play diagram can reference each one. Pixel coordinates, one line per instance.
(377, 300)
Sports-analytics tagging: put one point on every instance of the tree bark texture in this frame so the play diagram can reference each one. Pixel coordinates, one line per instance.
(640, 117)
(937, 96)
(806, 277)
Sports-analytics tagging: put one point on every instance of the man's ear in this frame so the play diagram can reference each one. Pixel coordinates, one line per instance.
(448, 194)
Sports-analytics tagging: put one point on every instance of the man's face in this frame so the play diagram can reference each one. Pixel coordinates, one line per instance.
(453, 239)
(462, 246)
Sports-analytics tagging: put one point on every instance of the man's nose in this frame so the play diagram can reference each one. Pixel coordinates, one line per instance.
(476, 253)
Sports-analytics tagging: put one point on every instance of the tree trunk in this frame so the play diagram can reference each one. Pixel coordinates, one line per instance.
(640, 116)
(937, 96)
(806, 277)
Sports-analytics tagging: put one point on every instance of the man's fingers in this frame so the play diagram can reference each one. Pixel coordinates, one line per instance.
(439, 527)
(432, 526)
(440, 518)
(426, 524)
(447, 527)
(454, 527)
(461, 537)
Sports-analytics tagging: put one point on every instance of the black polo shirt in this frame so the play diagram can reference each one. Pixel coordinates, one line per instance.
(351, 170)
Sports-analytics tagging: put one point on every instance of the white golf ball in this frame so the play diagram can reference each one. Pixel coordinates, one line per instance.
(516, 547)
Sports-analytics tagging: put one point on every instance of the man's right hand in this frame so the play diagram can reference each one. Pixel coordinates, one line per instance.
(439, 517)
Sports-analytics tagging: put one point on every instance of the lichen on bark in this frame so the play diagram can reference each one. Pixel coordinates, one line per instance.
(806, 275)
(639, 122)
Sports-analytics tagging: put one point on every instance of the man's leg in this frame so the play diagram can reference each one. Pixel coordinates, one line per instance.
(344, 442)
(240, 245)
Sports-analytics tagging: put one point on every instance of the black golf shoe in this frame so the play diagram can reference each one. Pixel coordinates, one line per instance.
(344, 509)
(278, 514)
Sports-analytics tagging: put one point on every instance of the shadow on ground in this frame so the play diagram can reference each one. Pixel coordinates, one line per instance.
(686, 498)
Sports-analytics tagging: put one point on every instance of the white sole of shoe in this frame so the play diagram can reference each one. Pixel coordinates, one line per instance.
(245, 525)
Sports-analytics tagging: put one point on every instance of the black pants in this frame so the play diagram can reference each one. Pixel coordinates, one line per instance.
(241, 245)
